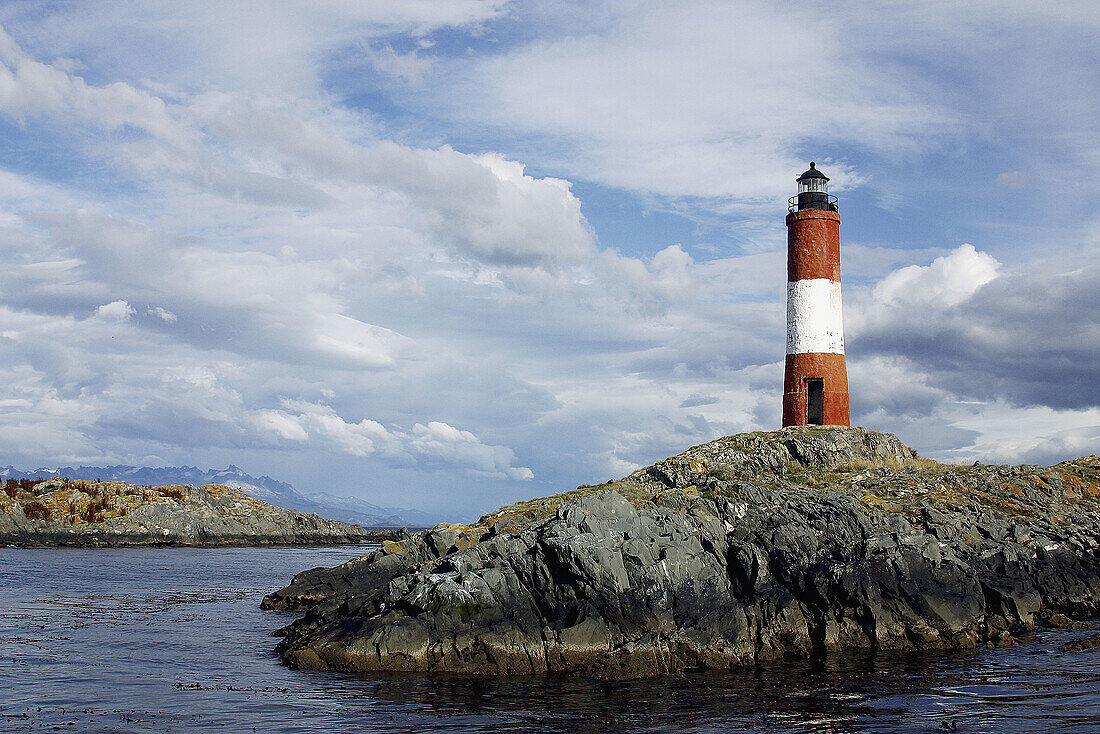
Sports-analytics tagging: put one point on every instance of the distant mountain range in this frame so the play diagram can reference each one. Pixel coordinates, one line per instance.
(272, 491)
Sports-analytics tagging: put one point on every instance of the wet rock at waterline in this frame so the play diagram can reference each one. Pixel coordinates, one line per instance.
(749, 548)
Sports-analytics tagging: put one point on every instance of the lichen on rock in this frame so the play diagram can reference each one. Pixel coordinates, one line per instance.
(752, 547)
(86, 513)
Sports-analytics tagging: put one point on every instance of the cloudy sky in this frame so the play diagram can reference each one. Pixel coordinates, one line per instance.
(452, 253)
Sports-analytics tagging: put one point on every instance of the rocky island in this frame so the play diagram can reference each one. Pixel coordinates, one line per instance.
(758, 546)
(91, 513)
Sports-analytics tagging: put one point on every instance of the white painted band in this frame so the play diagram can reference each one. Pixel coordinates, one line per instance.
(815, 317)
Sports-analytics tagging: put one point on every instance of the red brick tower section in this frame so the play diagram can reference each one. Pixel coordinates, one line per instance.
(815, 383)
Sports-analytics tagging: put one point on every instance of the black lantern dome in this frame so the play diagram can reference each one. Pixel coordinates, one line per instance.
(813, 191)
(812, 180)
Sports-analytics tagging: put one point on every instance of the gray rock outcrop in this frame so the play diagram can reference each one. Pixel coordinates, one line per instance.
(84, 513)
(753, 547)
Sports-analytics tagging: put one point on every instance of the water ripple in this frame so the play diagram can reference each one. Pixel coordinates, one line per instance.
(173, 640)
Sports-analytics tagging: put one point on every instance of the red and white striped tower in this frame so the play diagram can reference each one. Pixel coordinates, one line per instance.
(815, 383)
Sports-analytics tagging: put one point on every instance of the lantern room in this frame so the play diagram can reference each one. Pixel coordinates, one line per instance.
(813, 192)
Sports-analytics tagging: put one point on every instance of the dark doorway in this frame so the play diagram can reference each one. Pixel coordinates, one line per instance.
(815, 402)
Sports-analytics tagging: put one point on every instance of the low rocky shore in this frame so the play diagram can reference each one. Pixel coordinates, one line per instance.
(753, 547)
(60, 512)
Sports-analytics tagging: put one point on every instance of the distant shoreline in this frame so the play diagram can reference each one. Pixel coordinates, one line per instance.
(372, 537)
(92, 514)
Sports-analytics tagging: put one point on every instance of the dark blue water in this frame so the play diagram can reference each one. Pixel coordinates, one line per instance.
(173, 640)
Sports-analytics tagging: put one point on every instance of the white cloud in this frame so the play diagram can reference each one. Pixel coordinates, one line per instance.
(887, 385)
(698, 98)
(282, 425)
(483, 206)
(119, 311)
(946, 282)
(249, 302)
(409, 67)
(1052, 435)
(965, 309)
(301, 421)
(161, 313)
(245, 45)
(233, 257)
(30, 88)
(437, 444)
(440, 441)
(668, 278)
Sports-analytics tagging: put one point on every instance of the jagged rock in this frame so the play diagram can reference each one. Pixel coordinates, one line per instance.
(1088, 643)
(749, 455)
(47, 486)
(752, 547)
(85, 513)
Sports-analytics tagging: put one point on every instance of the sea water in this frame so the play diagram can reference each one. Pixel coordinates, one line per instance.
(174, 640)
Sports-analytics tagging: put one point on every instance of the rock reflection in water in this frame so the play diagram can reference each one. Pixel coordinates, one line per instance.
(173, 640)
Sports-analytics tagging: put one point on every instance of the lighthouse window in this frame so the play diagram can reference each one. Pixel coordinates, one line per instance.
(815, 402)
(812, 185)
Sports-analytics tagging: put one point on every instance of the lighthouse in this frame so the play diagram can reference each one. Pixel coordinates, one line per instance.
(815, 381)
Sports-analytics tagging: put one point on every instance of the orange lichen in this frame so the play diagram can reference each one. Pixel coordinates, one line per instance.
(35, 510)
